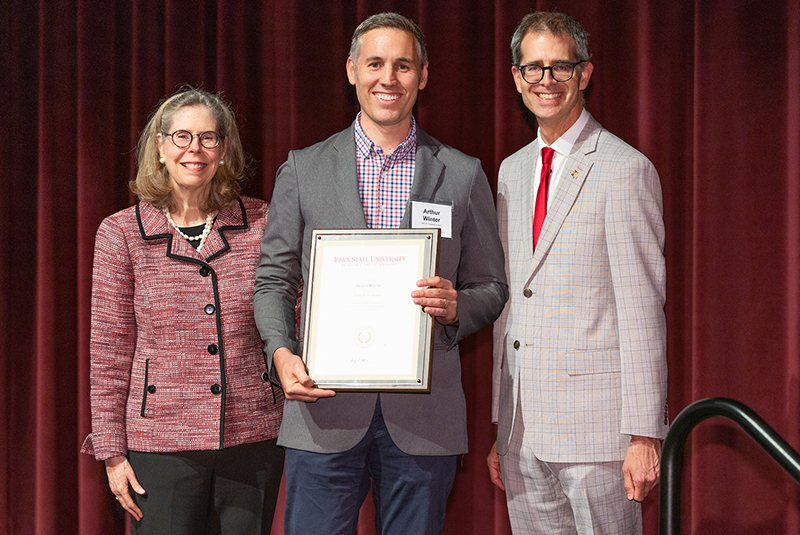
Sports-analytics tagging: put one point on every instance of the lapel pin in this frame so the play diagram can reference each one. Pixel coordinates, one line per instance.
(574, 173)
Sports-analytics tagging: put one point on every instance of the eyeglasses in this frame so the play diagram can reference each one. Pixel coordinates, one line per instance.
(184, 138)
(561, 71)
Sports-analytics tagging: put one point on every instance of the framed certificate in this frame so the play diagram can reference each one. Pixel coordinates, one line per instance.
(363, 330)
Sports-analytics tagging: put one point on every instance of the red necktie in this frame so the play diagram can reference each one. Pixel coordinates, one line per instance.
(540, 210)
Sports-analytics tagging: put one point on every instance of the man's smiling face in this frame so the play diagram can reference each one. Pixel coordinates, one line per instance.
(387, 76)
(556, 105)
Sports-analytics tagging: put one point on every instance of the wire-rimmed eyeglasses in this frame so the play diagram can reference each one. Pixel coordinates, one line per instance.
(184, 138)
(561, 71)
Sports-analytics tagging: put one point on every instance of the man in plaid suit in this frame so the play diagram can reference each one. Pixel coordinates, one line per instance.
(580, 375)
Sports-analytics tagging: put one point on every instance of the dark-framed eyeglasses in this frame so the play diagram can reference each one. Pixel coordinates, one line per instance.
(561, 71)
(184, 138)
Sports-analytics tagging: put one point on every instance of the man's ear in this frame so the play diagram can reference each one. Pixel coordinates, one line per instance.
(586, 74)
(351, 71)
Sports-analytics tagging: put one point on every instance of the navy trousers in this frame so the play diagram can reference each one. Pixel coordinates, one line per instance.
(324, 491)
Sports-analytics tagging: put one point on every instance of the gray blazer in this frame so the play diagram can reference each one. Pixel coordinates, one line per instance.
(317, 188)
(583, 337)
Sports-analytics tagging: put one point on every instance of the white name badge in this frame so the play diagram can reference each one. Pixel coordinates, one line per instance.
(430, 215)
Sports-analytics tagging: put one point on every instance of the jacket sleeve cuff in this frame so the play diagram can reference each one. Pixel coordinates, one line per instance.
(105, 445)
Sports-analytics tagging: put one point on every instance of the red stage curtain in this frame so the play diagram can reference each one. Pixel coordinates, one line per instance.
(708, 89)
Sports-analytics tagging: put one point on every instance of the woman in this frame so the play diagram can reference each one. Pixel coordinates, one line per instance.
(182, 409)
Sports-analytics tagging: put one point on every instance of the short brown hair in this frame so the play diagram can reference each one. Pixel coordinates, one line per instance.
(389, 20)
(554, 23)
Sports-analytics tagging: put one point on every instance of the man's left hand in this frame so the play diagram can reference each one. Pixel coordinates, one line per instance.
(439, 299)
(642, 467)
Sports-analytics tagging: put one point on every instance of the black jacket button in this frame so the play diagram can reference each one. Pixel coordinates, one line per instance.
(527, 292)
(212, 348)
(204, 271)
(265, 377)
(151, 389)
(516, 344)
(216, 389)
(209, 309)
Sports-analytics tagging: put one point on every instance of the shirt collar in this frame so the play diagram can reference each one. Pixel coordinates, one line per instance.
(563, 145)
(368, 147)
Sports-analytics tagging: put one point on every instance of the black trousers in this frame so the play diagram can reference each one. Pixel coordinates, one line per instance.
(214, 492)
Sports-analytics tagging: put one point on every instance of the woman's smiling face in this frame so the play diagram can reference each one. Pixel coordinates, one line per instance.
(192, 168)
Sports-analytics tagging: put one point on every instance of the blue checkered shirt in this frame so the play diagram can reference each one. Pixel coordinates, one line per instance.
(384, 182)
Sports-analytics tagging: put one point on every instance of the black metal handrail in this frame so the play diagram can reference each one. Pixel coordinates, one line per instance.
(672, 452)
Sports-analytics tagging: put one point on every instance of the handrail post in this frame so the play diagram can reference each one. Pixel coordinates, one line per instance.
(672, 451)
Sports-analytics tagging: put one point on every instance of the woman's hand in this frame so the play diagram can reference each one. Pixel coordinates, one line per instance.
(120, 476)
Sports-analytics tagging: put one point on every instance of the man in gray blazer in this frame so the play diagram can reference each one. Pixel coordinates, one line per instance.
(374, 175)
(580, 378)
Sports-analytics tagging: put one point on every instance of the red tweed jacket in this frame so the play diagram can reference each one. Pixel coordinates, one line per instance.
(176, 359)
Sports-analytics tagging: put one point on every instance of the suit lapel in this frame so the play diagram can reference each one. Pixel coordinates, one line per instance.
(232, 218)
(427, 174)
(524, 193)
(344, 181)
(576, 169)
(154, 226)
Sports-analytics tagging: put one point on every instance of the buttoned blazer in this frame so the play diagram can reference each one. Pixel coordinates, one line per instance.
(318, 188)
(176, 360)
(583, 336)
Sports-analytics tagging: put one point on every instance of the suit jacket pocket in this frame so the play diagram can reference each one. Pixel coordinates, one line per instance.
(158, 400)
(146, 386)
(592, 362)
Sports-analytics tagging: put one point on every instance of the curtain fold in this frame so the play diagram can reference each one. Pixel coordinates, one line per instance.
(709, 90)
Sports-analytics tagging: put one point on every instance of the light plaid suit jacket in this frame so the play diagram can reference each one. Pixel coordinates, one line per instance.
(582, 338)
